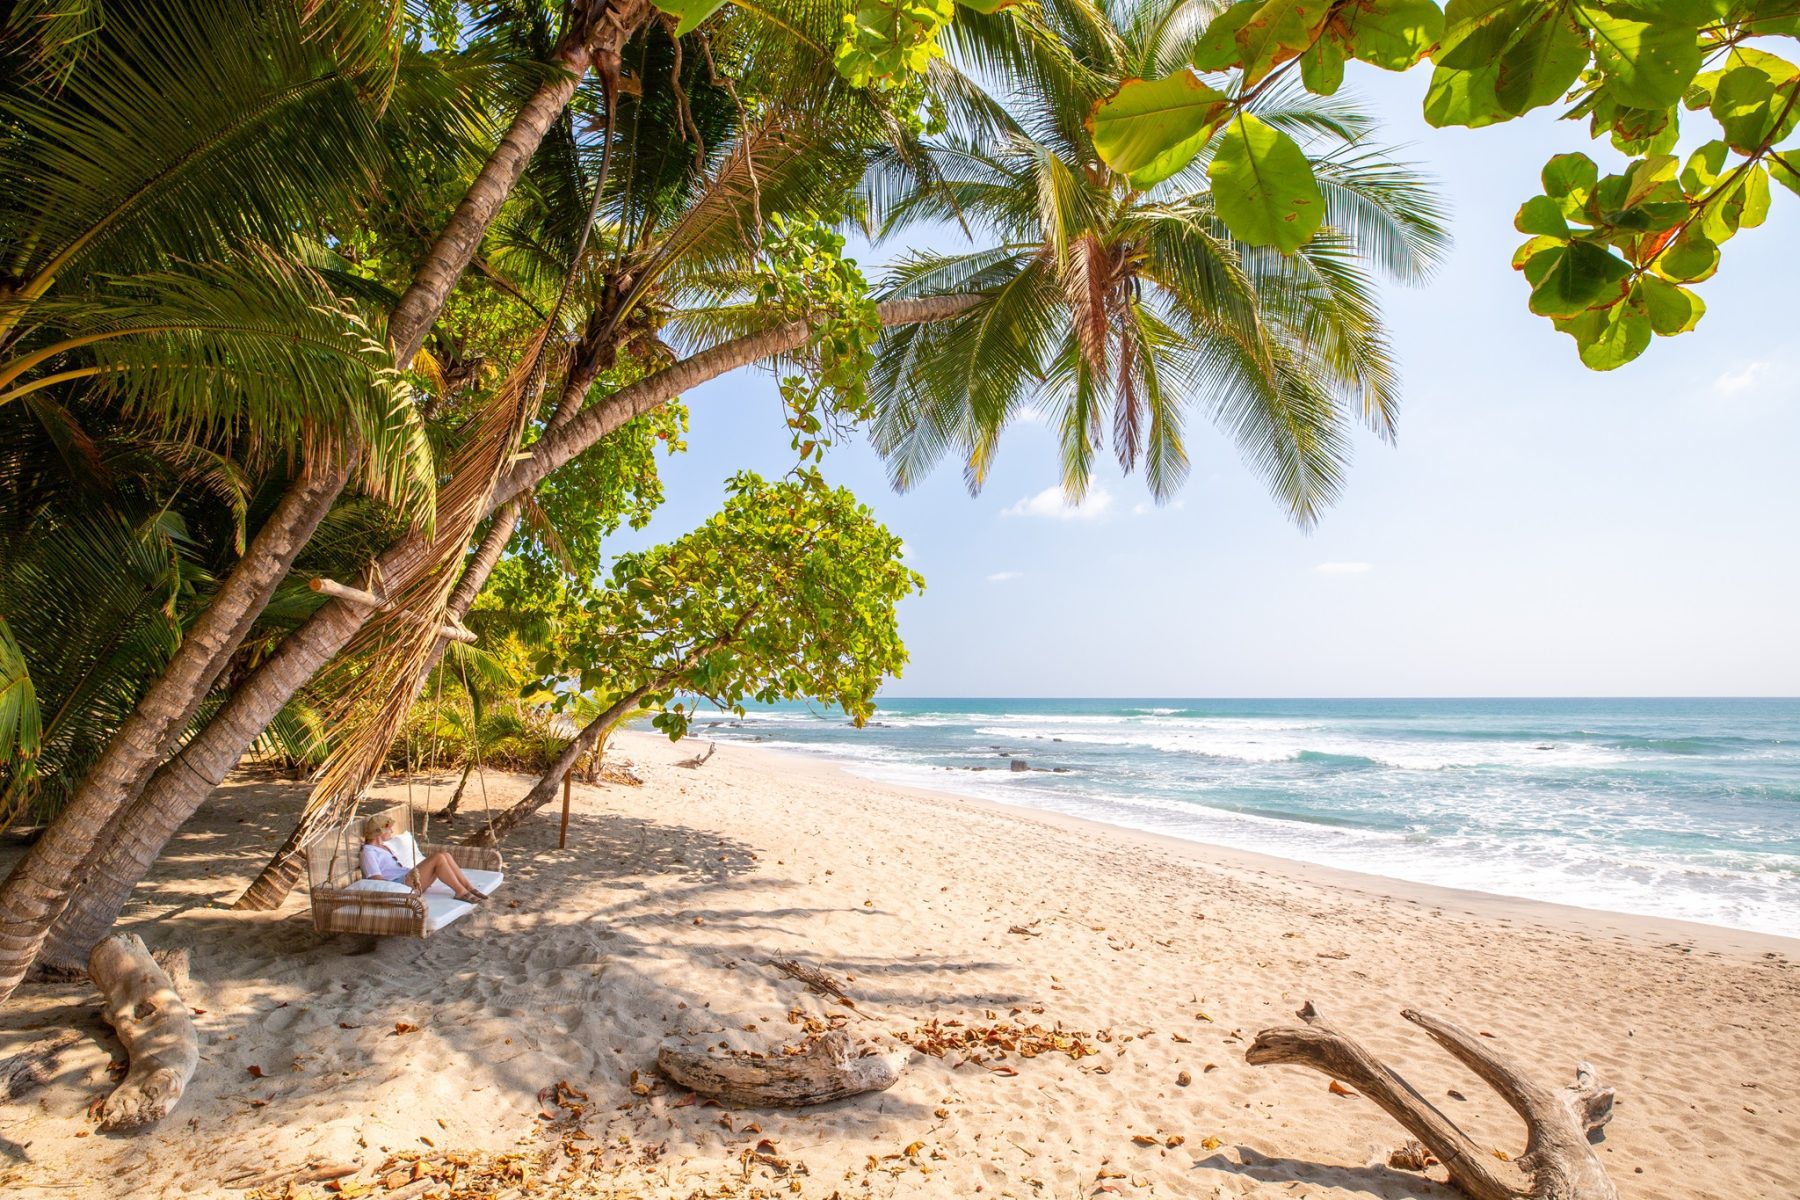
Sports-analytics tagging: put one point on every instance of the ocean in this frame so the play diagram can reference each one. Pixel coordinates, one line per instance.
(1674, 808)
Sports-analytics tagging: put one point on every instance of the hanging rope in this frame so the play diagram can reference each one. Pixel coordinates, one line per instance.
(437, 708)
(487, 813)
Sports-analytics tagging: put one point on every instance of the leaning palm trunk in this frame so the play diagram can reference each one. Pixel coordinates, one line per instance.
(34, 894)
(29, 903)
(545, 789)
(179, 788)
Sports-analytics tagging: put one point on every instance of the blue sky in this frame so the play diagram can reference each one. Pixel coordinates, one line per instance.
(1539, 529)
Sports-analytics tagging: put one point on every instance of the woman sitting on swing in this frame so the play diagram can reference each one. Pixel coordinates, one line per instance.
(379, 862)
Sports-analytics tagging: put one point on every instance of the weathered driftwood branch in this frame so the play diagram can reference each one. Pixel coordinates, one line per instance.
(155, 1026)
(699, 760)
(1558, 1163)
(33, 1066)
(829, 1067)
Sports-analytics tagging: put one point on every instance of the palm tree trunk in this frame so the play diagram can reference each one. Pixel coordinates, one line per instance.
(599, 33)
(34, 894)
(186, 780)
(284, 868)
(31, 899)
(180, 787)
(544, 790)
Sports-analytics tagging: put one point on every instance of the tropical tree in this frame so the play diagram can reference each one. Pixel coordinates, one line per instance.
(789, 592)
(1109, 305)
(48, 135)
(672, 160)
(1610, 260)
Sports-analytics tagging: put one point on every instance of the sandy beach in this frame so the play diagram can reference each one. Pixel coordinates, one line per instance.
(1162, 957)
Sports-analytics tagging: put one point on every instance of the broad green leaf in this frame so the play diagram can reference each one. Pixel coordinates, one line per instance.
(1263, 186)
(1644, 64)
(1277, 32)
(1218, 48)
(1609, 337)
(1543, 216)
(1672, 308)
(987, 6)
(1542, 63)
(1322, 67)
(1645, 198)
(1477, 32)
(689, 12)
(1704, 166)
(1151, 128)
(1565, 280)
(1774, 17)
(1532, 248)
(1570, 179)
(1752, 110)
(1786, 172)
(1691, 257)
(1465, 97)
(1645, 130)
(1743, 205)
(1392, 34)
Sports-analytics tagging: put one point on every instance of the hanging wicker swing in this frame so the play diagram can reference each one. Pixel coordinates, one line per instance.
(345, 901)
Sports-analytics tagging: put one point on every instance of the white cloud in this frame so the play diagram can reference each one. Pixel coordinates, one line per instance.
(1744, 379)
(1344, 568)
(1005, 576)
(1145, 508)
(1051, 503)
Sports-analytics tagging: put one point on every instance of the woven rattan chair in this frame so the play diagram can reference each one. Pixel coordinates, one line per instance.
(343, 901)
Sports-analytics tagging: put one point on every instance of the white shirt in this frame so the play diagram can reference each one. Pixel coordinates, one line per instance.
(378, 862)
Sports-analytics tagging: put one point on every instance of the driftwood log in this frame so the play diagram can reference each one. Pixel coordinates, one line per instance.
(33, 1066)
(830, 1067)
(699, 760)
(1558, 1162)
(155, 1026)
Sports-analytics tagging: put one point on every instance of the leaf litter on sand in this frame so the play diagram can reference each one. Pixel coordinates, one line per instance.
(983, 1044)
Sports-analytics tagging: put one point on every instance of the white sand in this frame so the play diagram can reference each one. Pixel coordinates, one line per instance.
(661, 915)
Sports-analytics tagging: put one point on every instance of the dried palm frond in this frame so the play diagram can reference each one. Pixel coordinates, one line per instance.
(389, 655)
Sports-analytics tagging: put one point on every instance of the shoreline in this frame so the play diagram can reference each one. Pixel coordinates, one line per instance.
(676, 901)
(1643, 927)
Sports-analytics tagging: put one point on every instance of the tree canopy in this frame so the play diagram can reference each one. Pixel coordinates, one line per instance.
(1610, 259)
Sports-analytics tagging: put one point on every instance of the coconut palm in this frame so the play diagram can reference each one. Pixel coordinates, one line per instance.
(1108, 305)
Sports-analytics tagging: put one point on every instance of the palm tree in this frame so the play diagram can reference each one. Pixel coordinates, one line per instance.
(189, 138)
(1106, 305)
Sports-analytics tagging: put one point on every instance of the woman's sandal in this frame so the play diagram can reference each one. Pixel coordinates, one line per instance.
(472, 897)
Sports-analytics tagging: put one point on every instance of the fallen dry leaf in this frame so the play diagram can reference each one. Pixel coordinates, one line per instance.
(1338, 1089)
(1144, 1139)
(1173, 1140)
(1211, 1143)
(1502, 1155)
(401, 1027)
(257, 1073)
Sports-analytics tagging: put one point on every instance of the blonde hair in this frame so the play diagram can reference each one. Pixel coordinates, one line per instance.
(374, 825)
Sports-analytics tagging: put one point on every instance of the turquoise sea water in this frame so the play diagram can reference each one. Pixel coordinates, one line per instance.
(1678, 808)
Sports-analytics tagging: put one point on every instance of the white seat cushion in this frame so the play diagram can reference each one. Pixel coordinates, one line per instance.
(441, 905)
(442, 910)
(405, 848)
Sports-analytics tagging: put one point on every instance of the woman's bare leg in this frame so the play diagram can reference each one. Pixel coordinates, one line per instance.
(441, 866)
(452, 870)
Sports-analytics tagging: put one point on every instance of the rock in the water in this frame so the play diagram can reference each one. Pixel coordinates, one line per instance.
(1019, 764)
